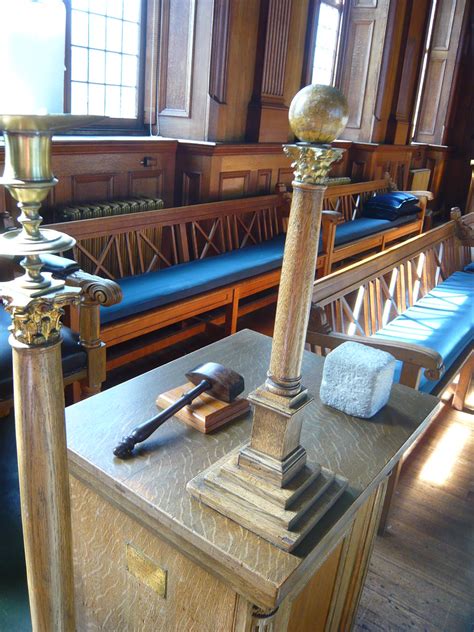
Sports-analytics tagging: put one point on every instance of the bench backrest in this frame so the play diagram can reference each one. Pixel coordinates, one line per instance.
(126, 245)
(361, 299)
(349, 199)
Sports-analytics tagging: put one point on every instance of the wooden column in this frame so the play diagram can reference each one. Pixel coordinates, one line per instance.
(267, 486)
(42, 456)
(45, 506)
(267, 116)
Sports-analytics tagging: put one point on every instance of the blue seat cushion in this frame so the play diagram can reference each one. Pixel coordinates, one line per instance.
(154, 289)
(74, 358)
(469, 267)
(442, 320)
(364, 226)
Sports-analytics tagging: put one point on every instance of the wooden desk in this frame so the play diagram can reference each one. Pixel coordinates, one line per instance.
(133, 518)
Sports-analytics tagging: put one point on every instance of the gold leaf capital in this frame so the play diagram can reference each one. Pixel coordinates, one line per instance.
(312, 163)
(38, 321)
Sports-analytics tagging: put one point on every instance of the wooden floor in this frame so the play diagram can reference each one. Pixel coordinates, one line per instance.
(422, 572)
(421, 576)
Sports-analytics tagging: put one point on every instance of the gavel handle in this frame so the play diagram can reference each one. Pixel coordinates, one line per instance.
(143, 431)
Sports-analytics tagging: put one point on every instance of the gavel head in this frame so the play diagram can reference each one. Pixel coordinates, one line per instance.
(225, 384)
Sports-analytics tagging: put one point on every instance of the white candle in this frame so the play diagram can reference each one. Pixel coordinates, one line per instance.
(32, 56)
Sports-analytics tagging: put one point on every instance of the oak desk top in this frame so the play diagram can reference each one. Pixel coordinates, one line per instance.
(152, 486)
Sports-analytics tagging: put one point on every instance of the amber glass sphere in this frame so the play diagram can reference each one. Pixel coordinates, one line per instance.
(318, 114)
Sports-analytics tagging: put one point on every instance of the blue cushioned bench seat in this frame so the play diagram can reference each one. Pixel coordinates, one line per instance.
(74, 358)
(155, 289)
(442, 320)
(365, 226)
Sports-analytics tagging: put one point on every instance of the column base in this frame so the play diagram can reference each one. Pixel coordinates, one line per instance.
(282, 515)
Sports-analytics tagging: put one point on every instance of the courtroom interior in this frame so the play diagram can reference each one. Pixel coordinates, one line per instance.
(236, 315)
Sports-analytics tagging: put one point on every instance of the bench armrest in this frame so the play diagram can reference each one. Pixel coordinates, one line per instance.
(329, 221)
(96, 291)
(411, 355)
(332, 217)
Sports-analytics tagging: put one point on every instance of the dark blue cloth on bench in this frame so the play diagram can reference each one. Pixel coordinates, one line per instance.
(391, 205)
(365, 226)
(154, 289)
(74, 358)
(442, 320)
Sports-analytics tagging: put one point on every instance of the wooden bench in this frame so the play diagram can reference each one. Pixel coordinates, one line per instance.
(373, 301)
(133, 247)
(347, 202)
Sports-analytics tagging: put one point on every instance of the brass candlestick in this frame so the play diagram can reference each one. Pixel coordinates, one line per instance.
(35, 302)
(267, 486)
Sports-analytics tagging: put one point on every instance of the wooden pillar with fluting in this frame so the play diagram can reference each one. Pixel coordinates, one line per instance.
(267, 485)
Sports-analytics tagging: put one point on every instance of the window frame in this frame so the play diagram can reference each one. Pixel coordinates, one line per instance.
(112, 126)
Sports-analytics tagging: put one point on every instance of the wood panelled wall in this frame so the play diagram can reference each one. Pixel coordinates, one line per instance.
(90, 170)
(227, 72)
(191, 172)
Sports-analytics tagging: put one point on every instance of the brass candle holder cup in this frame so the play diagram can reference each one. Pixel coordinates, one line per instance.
(267, 486)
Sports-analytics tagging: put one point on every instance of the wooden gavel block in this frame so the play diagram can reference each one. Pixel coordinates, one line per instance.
(206, 413)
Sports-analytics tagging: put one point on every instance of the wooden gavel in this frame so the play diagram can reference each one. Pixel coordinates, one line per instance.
(219, 381)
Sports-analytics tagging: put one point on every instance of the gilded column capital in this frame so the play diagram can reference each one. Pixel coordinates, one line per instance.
(312, 163)
(37, 321)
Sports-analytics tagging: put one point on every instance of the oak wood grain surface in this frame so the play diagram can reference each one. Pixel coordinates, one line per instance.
(151, 487)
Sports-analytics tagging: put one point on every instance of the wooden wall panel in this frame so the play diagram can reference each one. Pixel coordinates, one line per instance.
(149, 184)
(93, 187)
(361, 61)
(177, 37)
(441, 71)
(429, 111)
(185, 48)
(355, 82)
(264, 181)
(91, 169)
(233, 184)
